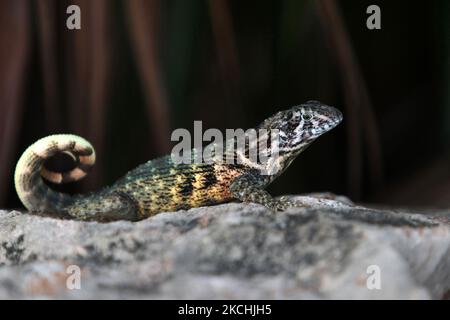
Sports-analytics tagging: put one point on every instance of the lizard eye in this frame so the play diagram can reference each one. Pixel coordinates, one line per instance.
(306, 116)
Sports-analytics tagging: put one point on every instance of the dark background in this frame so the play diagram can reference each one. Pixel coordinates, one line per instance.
(139, 69)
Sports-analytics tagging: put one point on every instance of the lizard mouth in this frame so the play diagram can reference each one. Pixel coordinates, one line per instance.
(326, 119)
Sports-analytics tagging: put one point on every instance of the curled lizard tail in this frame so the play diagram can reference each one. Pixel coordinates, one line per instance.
(30, 169)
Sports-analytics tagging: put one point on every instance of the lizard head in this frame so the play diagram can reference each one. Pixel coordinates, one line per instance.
(299, 126)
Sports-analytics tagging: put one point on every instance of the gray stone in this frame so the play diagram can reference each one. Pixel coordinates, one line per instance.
(324, 250)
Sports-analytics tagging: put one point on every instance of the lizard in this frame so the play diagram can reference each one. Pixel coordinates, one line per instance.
(161, 185)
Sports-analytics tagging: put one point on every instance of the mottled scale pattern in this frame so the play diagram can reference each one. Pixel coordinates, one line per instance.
(161, 185)
(173, 187)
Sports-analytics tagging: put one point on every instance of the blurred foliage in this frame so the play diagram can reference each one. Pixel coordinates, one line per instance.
(141, 68)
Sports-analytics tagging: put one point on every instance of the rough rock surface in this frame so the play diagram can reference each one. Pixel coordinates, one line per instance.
(330, 249)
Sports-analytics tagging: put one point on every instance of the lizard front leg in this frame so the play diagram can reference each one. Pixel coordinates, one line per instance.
(249, 188)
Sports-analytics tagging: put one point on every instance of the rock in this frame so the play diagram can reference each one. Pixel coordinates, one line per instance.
(329, 249)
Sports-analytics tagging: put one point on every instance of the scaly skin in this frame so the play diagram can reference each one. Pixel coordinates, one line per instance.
(160, 185)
